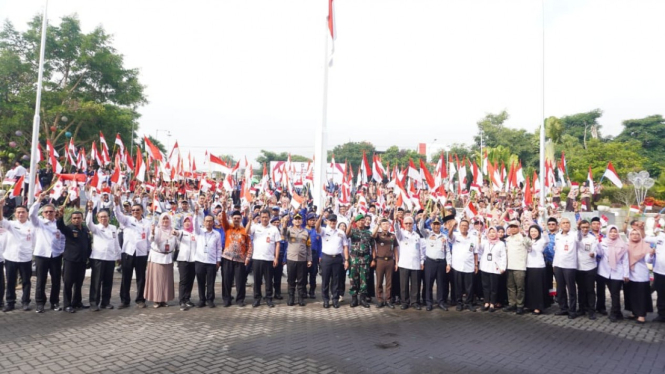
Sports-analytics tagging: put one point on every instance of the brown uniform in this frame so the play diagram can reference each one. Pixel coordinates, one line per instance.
(386, 244)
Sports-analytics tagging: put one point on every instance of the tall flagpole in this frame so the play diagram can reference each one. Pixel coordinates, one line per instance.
(34, 154)
(320, 138)
(542, 124)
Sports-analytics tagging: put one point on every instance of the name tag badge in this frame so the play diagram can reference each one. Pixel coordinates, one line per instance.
(193, 238)
(75, 234)
(268, 240)
(293, 240)
(57, 235)
(113, 235)
(489, 257)
(143, 236)
(587, 247)
(167, 247)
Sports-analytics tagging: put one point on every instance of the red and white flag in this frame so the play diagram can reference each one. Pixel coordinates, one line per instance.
(118, 142)
(612, 175)
(604, 221)
(648, 206)
(634, 209)
(104, 149)
(333, 31)
(470, 211)
(413, 172)
(217, 164)
(18, 187)
(378, 171)
(139, 165)
(427, 176)
(153, 150)
(52, 155)
(589, 179)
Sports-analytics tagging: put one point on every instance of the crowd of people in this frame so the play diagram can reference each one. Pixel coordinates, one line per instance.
(502, 254)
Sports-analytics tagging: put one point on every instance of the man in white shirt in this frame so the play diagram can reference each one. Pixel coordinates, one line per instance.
(658, 271)
(436, 247)
(135, 247)
(566, 245)
(208, 259)
(265, 256)
(411, 261)
(464, 260)
(105, 251)
(586, 272)
(49, 246)
(333, 247)
(516, 254)
(18, 255)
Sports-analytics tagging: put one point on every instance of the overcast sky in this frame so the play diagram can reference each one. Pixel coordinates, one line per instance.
(240, 76)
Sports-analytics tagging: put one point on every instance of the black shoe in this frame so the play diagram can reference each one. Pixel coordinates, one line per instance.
(211, 304)
(592, 316)
(510, 308)
(519, 311)
(95, 308)
(69, 309)
(190, 304)
(640, 322)
(416, 306)
(428, 308)
(471, 308)
(201, 304)
(256, 303)
(572, 315)
(81, 306)
(613, 318)
(107, 306)
(56, 307)
(26, 307)
(140, 305)
(390, 305)
(581, 313)
(561, 313)
(301, 302)
(278, 297)
(184, 307)
(336, 304)
(227, 303)
(123, 306)
(619, 316)
(326, 304)
(658, 319)
(602, 312)
(404, 306)
(241, 304)
(312, 296)
(40, 309)
(459, 308)
(398, 301)
(380, 304)
(364, 302)
(270, 304)
(291, 300)
(492, 310)
(443, 306)
(354, 301)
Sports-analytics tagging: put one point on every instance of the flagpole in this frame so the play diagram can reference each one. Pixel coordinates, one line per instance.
(320, 151)
(542, 124)
(34, 154)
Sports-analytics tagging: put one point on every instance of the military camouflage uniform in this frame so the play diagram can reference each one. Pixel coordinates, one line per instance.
(360, 252)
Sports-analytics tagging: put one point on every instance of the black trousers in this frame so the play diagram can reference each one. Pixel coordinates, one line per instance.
(187, 272)
(615, 294)
(277, 278)
(435, 271)
(659, 286)
(331, 274)
(205, 277)
(129, 264)
(566, 293)
(371, 284)
(262, 272)
(311, 272)
(586, 290)
(490, 287)
(408, 284)
(549, 277)
(233, 270)
(2, 283)
(101, 281)
(13, 269)
(73, 276)
(46, 266)
(295, 272)
(449, 285)
(464, 286)
(600, 293)
(395, 289)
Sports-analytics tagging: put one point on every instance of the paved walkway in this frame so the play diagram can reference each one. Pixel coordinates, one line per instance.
(311, 339)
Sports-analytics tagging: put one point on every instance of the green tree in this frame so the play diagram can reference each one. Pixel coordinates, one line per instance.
(650, 132)
(582, 126)
(459, 149)
(86, 87)
(519, 141)
(353, 153)
(400, 157)
(268, 156)
(554, 129)
(625, 157)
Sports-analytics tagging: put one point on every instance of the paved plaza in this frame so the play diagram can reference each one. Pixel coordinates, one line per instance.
(311, 339)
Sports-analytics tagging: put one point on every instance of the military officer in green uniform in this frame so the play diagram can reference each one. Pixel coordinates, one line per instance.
(359, 259)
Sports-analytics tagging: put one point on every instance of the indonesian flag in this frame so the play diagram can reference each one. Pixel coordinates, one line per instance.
(461, 172)
(590, 179)
(332, 29)
(52, 154)
(475, 187)
(153, 150)
(470, 211)
(139, 165)
(648, 206)
(244, 164)
(564, 166)
(604, 220)
(519, 175)
(528, 197)
(562, 174)
(81, 163)
(71, 152)
(451, 168)
(536, 182)
(118, 142)
(205, 184)
(217, 164)
(402, 196)
(94, 154)
(229, 183)
(57, 189)
(41, 153)
(128, 160)
(38, 186)
(95, 182)
(18, 187)
(378, 171)
(115, 177)
(362, 204)
(104, 150)
(584, 207)
(477, 175)
(174, 156)
(413, 172)
(156, 207)
(634, 209)
(440, 171)
(612, 175)
(427, 176)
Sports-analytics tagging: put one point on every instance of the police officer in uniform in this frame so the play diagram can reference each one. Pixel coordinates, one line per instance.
(333, 248)
(436, 246)
(78, 246)
(312, 271)
(298, 258)
(386, 249)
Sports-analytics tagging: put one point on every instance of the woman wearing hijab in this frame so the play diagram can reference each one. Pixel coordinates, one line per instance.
(638, 297)
(159, 279)
(502, 296)
(492, 254)
(536, 294)
(186, 262)
(613, 266)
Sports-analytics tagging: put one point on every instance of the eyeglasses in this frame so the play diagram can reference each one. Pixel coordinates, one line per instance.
(49, 211)
(408, 223)
(136, 210)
